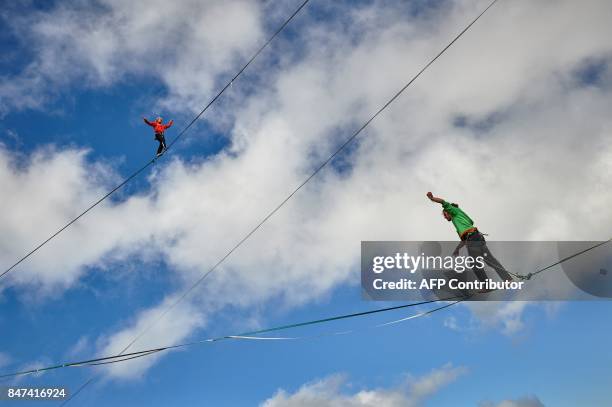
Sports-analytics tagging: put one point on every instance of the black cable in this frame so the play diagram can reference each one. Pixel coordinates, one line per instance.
(123, 359)
(180, 134)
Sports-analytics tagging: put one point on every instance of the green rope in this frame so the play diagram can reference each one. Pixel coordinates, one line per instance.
(133, 355)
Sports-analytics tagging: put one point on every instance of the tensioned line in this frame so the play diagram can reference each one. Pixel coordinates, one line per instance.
(243, 335)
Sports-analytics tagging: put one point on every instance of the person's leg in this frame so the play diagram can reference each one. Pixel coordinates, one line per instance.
(160, 140)
(475, 244)
(493, 262)
(163, 141)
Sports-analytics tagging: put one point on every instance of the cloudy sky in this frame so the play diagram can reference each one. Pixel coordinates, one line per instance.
(513, 123)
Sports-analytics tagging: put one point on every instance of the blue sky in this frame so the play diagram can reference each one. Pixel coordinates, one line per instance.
(491, 118)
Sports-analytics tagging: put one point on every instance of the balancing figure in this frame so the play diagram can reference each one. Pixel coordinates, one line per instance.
(159, 127)
(469, 234)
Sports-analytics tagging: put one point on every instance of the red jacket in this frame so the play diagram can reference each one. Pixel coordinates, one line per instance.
(158, 127)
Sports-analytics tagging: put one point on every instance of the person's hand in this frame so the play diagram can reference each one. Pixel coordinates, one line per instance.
(429, 195)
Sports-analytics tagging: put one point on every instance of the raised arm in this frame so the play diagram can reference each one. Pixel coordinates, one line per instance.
(170, 123)
(434, 198)
(147, 122)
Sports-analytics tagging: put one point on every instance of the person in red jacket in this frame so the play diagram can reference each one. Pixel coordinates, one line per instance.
(159, 127)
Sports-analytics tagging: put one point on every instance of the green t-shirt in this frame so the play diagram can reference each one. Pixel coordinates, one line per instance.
(460, 219)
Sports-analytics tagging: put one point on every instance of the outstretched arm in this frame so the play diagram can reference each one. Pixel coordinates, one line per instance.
(170, 123)
(434, 199)
(147, 122)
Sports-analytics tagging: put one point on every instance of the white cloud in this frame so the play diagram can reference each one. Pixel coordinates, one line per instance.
(46, 190)
(332, 392)
(184, 320)
(507, 316)
(532, 160)
(38, 364)
(185, 44)
(530, 401)
(82, 346)
(5, 359)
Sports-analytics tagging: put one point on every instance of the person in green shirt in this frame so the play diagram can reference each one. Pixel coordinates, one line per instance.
(469, 234)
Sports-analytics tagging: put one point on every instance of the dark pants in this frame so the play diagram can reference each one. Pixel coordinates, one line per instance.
(477, 246)
(162, 142)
